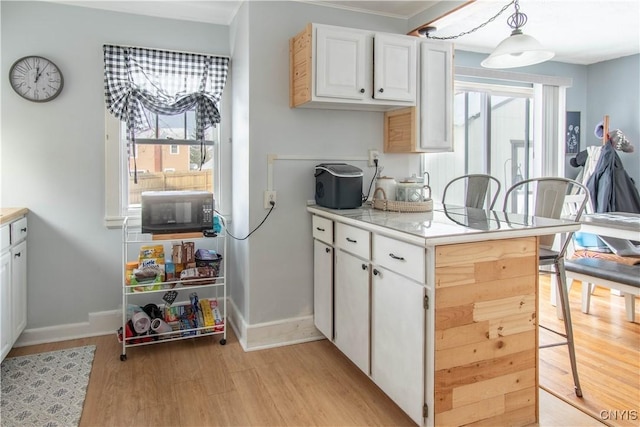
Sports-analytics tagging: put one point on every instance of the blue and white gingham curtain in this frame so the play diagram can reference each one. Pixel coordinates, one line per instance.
(164, 82)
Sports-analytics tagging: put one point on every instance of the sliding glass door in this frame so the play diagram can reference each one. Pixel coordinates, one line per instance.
(493, 134)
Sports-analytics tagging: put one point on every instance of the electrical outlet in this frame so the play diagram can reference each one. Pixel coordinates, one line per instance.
(269, 196)
(373, 154)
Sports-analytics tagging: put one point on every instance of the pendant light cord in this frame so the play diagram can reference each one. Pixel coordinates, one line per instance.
(426, 30)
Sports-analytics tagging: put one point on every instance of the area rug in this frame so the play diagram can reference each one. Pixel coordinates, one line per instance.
(45, 389)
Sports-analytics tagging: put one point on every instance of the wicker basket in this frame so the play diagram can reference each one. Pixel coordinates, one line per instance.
(396, 206)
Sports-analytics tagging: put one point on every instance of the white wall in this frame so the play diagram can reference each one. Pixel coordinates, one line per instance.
(52, 157)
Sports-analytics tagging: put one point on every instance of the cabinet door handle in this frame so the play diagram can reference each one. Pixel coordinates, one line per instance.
(364, 266)
(327, 250)
(319, 229)
(376, 272)
(351, 240)
(361, 90)
(399, 258)
(381, 90)
(17, 255)
(24, 230)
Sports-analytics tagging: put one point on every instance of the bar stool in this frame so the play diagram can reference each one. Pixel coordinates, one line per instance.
(546, 197)
(477, 190)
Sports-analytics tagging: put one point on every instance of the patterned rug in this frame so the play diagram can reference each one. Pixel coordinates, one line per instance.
(45, 389)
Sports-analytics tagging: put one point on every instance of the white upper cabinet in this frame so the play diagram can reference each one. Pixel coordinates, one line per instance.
(427, 127)
(342, 56)
(436, 96)
(346, 68)
(394, 69)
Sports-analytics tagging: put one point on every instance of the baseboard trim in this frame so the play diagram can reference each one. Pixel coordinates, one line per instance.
(278, 333)
(260, 336)
(100, 323)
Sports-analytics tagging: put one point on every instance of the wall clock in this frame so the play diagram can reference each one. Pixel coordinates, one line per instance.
(36, 78)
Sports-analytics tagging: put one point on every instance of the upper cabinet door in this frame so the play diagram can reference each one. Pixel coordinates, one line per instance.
(394, 68)
(436, 96)
(342, 63)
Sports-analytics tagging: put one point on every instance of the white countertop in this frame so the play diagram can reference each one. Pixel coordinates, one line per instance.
(446, 224)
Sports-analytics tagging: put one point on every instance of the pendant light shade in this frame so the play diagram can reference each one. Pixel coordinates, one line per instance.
(517, 50)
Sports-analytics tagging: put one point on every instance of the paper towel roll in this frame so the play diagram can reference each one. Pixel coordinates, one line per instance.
(160, 326)
(141, 322)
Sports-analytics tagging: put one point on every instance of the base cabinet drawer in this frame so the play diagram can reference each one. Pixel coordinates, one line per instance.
(353, 240)
(322, 229)
(401, 257)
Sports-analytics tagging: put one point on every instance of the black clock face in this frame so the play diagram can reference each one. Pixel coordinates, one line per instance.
(36, 78)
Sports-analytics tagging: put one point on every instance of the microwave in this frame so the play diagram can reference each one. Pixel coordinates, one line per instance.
(176, 211)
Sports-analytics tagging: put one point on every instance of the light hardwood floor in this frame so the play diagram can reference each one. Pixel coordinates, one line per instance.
(607, 353)
(201, 383)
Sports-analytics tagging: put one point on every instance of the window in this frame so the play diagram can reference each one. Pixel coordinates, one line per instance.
(506, 124)
(167, 158)
(163, 116)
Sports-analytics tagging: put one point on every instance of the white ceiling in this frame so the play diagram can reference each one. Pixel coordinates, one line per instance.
(579, 31)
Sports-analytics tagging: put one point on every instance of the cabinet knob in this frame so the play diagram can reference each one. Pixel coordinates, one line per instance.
(381, 90)
(361, 90)
(327, 250)
(376, 272)
(396, 257)
(24, 230)
(17, 254)
(364, 266)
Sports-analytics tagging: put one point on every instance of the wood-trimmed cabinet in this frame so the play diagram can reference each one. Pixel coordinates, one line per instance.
(427, 127)
(346, 68)
(448, 332)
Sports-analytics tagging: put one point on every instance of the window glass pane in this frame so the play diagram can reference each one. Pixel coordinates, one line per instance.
(171, 127)
(171, 164)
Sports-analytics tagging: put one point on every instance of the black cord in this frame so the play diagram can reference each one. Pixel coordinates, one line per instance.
(226, 229)
(364, 199)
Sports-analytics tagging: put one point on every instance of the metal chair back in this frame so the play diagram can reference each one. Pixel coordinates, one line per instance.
(478, 191)
(548, 197)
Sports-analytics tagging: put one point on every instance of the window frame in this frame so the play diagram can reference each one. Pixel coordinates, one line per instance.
(117, 172)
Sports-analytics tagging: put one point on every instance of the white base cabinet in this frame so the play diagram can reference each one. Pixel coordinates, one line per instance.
(323, 288)
(351, 308)
(13, 283)
(378, 306)
(398, 328)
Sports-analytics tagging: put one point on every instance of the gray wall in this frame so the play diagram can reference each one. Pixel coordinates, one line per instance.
(613, 89)
(53, 154)
(52, 157)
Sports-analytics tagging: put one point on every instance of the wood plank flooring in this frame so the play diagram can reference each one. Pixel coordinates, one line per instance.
(607, 353)
(201, 383)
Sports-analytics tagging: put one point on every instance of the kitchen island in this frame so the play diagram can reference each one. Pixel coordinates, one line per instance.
(438, 308)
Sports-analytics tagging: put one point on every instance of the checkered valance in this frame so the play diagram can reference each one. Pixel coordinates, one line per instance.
(164, 82)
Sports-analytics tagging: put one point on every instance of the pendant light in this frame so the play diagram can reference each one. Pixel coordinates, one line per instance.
(517, 50)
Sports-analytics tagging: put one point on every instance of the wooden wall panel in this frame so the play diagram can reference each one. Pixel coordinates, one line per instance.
(486, 335)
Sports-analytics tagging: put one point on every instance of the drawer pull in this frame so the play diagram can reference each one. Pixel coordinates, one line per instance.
(364, 266)
(24, 230)
(327, 250)
(376, 272)
(399, 258)
(351, 240)
(320, 229)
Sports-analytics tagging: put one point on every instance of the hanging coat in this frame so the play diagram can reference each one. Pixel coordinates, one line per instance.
(610, 187)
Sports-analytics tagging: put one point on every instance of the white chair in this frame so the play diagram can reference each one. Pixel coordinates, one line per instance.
(545, 197)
